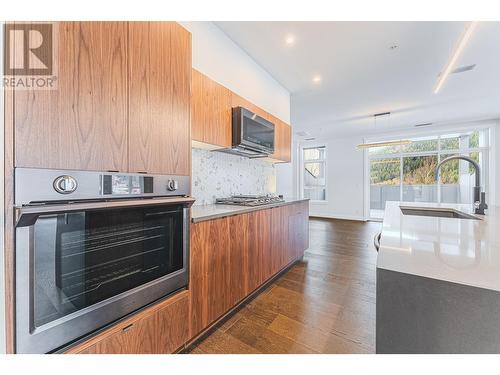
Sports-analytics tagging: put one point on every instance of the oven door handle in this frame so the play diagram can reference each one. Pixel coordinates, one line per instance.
(27, 215)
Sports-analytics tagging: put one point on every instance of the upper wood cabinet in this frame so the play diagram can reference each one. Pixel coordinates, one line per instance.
(210, 112)
(122, 101)
(238, 101)
(282, 131)
(83, 123)
(159, 98)
(211, 107)
(283, 141)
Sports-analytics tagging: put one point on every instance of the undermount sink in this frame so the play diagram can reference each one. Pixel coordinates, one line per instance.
(437, 212)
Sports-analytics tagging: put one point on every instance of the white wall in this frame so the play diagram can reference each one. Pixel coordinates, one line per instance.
(218, 57)
(496, 165)
(345, 180)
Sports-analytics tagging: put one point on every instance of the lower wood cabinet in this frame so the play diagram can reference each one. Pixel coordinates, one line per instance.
(162, 328)
(231, 257)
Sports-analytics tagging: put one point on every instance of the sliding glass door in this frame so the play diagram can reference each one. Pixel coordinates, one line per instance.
(407, 172)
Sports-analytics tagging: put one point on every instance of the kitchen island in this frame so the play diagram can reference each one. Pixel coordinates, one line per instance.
(438, 282)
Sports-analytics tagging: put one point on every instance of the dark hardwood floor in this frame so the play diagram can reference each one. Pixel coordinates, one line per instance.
(324, 304)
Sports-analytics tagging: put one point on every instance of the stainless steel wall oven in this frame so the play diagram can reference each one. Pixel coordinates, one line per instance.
(93, 247)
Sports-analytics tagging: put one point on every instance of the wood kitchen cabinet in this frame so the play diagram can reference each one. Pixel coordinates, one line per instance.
(159, 98)
(162, 328)
(239, 101)
(211, 116)
(122, 101)
(282, 131)
(172, 324)
(211, 123)
(82, 124)
(233, 256)
(282, 142)
(209, 281)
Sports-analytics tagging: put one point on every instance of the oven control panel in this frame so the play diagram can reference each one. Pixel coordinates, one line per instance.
(115, 184)
(44, 185)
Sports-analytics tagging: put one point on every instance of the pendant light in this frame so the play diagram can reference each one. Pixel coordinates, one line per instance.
(386, 143)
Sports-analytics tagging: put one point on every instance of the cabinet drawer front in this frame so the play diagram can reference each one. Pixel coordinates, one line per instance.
(162, 328)
(135, 338)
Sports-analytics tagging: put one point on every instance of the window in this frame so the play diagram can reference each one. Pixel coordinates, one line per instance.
(407, 172)
(314, 173)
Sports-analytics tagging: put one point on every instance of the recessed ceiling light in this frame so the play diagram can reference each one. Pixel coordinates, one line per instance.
(290, 40)
(317, 79)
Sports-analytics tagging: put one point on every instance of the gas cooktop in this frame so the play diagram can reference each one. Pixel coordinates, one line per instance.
(250, 200)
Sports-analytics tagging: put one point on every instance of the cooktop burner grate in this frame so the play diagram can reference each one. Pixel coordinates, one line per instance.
(250, 200)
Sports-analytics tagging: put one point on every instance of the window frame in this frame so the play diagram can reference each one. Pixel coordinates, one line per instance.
(485, 150)
(323, 160)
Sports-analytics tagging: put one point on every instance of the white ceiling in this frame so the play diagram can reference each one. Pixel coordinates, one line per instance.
(361, 75)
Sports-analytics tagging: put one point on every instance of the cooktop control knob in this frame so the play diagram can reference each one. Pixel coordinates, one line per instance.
(172, 185)
(65, 184)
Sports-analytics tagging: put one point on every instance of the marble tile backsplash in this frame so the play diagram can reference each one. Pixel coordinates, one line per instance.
(217, 175)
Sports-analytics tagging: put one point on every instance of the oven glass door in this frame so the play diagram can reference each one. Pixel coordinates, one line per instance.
(82, 258)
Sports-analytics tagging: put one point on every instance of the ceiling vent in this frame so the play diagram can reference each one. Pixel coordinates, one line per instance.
(302, 134)
(461, 69)
(425, 124)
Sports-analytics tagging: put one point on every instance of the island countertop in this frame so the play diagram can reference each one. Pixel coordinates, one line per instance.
(462, 251)
(215, 211)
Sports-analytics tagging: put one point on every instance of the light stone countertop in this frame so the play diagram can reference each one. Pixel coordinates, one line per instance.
(215, 211)
(461, 251)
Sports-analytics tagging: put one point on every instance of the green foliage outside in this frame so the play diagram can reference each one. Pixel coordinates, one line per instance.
(419, 169)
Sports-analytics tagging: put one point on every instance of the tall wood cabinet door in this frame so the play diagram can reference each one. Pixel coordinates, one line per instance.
(264, 241)
(296, 232)
(239, 257)
(159, 98)
(305, 227)
(211, 112)
(279, 236)
(259, 233)
(173, 324)
(82, 124)
(209, 273)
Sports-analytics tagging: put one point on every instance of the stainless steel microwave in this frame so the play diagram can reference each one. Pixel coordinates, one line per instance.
(253, 136)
